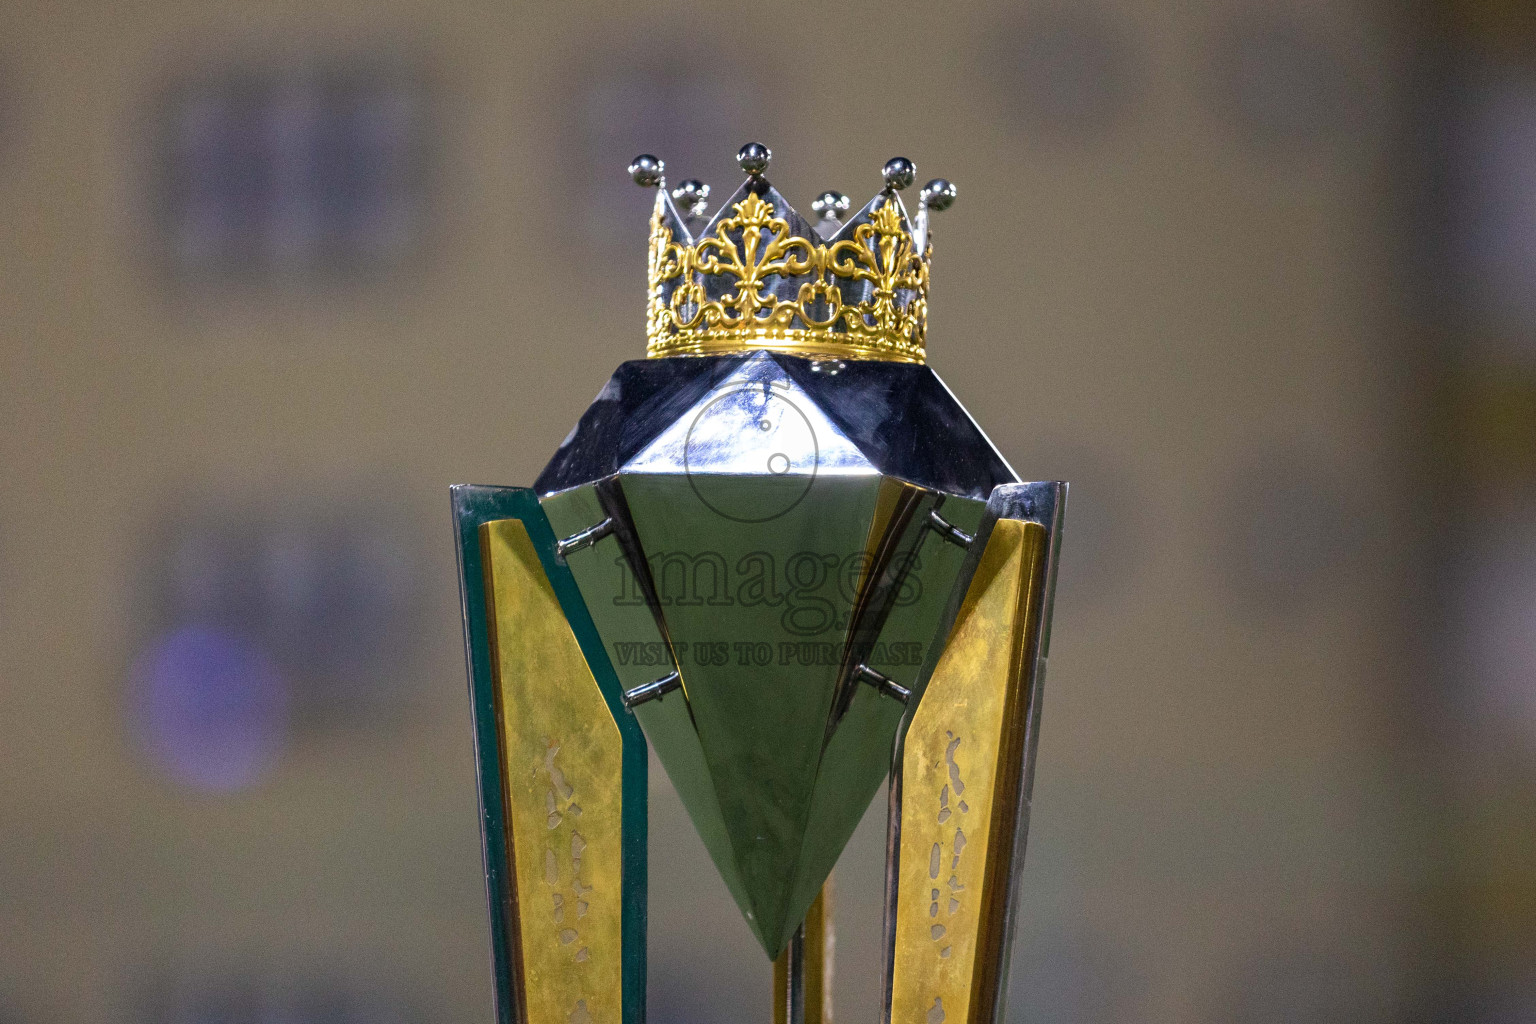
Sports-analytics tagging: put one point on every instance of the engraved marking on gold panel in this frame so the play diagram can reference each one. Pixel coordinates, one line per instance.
(961, 771)
(562, 780)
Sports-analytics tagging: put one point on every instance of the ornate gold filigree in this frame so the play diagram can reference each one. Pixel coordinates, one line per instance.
(723, 293)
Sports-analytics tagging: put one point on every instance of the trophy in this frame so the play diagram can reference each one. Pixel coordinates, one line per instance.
(778, 551)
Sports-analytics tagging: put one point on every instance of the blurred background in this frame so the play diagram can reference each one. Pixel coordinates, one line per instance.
(1258, 276)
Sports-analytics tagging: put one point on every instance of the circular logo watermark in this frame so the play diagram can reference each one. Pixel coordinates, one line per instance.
(751, 455)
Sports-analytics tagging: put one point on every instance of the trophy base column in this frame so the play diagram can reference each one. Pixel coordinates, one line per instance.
(802, 975)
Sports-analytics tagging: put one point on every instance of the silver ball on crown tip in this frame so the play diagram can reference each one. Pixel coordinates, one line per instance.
(754, 157)
(939, 194)
(646, 170)
(830, 204)
(899, 172)
(692, 195)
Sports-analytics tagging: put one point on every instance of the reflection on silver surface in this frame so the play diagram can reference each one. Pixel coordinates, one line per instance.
(756, 421)
(900, 417)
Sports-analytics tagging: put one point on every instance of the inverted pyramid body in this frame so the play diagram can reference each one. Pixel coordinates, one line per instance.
(777, 553)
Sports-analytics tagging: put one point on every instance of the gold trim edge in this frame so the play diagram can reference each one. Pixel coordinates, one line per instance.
(809, 344)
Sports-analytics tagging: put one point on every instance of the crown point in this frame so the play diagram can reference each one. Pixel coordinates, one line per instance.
(939, 194)
(692, 195)
(899, 172)
(646, 170)
(830, 204)
(754, 157)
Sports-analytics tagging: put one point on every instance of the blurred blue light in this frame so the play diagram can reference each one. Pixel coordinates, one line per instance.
(213, 707)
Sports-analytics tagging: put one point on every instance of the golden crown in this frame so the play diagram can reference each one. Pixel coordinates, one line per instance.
(759, 276)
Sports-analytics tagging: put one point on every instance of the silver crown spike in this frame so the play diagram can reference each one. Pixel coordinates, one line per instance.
(803, 293)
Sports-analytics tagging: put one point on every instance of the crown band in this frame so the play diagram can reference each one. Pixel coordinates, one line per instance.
(796, 341)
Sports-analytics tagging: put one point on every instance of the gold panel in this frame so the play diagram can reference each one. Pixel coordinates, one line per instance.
(562, 778)
(962, 768)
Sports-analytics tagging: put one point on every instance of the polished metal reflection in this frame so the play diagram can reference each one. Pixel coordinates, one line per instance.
(759, 472)
(584, 538)
(802, 974)
(901, 418)
(653, 690)
(756, 422)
